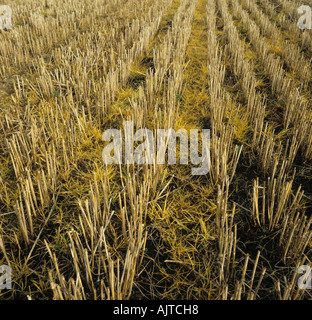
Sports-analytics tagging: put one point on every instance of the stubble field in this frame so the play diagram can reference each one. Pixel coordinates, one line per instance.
(72, 227)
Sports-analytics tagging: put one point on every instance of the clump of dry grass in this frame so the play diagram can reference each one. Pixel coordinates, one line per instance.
(107, 258)
(274, 203)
